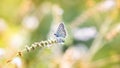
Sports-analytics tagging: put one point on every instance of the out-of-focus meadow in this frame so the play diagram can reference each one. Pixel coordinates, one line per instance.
(93, 33)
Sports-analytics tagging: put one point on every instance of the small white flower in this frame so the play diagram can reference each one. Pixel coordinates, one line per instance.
(84, 34)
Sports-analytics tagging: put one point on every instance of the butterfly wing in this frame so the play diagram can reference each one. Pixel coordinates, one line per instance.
(60, 31)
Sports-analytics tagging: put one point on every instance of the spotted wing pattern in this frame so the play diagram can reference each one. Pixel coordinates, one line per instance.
(60, 31)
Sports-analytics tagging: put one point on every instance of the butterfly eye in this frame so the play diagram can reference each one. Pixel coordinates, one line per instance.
(54, 34)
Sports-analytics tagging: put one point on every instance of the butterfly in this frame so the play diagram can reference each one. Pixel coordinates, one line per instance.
(61, 32)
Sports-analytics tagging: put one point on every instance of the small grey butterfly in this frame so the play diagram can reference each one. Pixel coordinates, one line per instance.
(61, 32)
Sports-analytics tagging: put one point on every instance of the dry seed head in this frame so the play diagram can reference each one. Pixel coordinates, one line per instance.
(42, 43)
(27, 48)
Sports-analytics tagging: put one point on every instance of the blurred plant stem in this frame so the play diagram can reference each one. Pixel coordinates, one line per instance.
(90, 13)
(113, 32)
(114, 58)
(98, 43)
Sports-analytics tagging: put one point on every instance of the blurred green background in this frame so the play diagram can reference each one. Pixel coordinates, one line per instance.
(93, 28)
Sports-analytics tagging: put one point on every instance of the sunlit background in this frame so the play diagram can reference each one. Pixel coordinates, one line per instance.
(93, 33)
